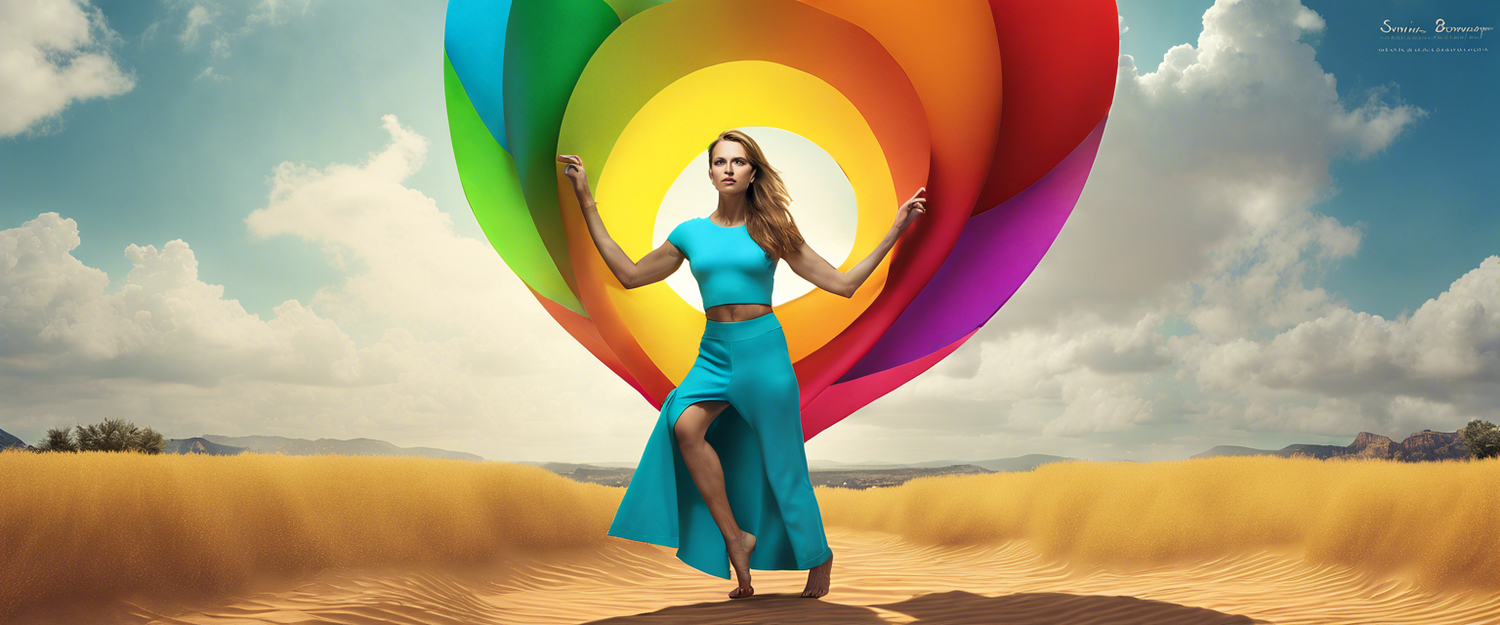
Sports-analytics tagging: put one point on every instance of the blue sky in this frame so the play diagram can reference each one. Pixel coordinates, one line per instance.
(193, 148)
(186, 157)
(1427, 204)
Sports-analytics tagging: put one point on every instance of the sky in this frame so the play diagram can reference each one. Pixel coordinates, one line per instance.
(244, 218)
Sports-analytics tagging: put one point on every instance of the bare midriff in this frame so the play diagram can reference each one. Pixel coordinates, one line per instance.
(736, 312)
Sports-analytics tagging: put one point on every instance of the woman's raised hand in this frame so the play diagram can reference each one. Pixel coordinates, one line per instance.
(909, 211)
(574, 170)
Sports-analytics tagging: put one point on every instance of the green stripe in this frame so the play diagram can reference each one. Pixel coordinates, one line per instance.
(488, 175)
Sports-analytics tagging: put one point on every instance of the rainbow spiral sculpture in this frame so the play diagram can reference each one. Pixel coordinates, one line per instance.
(996, 107)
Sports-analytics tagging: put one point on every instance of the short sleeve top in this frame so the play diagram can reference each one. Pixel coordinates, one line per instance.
(731, 267)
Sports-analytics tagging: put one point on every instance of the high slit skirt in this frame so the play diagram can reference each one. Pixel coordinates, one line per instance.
(758, 439)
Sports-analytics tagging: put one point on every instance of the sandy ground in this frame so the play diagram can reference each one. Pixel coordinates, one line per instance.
(877, 578)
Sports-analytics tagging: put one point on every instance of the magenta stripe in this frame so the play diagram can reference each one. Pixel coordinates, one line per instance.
(994, 254)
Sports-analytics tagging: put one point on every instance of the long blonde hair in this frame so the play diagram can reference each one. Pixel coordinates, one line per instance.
(769, 221)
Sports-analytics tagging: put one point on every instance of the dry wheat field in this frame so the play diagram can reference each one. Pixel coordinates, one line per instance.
(127, 538)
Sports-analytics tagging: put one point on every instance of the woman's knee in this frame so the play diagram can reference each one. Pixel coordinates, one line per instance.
(685, 434)
(693, 423)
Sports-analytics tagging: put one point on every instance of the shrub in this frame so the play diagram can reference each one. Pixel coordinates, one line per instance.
(1482, 438)
(109, 435)
(58, 439)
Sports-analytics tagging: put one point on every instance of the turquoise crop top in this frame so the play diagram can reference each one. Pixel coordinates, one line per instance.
(731, 267)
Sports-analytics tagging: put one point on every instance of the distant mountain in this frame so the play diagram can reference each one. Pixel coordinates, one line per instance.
(857, 478)
(569, 466)
(592, 474)
(1234, 450)
(998, 465)
(200, 445)
(616, 465)
(861, 478)
(847, 475)
(1321, 452)
(1020, 463)
(814, 463)
(9, 440)
(1424, 446)
(351, 447)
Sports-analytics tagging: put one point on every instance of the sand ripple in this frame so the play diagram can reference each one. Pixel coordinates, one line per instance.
(878, 579)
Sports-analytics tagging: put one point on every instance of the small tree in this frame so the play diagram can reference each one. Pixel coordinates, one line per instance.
(109, 435)
(58, 439)
(1482, 438)
(149, 441)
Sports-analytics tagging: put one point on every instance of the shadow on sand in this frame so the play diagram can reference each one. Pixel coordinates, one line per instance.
(949, 608)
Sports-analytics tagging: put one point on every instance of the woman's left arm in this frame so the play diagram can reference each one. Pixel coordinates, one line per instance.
(813, 268)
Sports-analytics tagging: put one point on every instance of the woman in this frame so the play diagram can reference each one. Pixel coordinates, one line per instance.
(749, 469)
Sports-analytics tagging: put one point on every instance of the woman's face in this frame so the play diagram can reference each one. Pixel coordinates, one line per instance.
(729, 169)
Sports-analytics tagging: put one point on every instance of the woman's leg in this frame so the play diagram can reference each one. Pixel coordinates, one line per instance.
(703, 464)
(765, 392)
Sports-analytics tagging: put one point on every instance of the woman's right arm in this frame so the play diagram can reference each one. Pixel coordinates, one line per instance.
(653, 267)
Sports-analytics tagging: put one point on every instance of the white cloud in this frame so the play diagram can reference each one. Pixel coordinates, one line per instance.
(209, 74)
(1444, 359)
(431, 340)
(53, 53)
(1198, 211)
(162, 324)
(1068, 381)
(224, 23)
(1098, 409)
(197, 18)
(274, 11)
(1375, 124)
(1257, 280)
(417, 272)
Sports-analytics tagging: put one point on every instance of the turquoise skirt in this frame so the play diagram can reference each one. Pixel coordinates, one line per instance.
(758, 438)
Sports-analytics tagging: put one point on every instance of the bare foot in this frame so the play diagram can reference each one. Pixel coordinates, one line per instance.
(818, 578)
(739, 557)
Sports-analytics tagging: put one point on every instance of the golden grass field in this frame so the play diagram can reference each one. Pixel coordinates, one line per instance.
(266, 538)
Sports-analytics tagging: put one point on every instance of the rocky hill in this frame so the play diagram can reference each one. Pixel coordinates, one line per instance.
(9, 440)
(1424, 446)
(200, 445)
